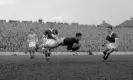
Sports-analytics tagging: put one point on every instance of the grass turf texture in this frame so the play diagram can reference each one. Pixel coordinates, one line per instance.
(70, 67)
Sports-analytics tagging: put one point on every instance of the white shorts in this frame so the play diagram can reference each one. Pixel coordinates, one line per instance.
(49, 42)
(32, 44)
(111, 45)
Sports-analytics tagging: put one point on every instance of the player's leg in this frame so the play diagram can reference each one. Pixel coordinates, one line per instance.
(45, 52)
(46, 55)
(26, 49)
(44, 48)
(112, 47)
(49, 54)
(51, 43)
(105, 52)
(33, 52)
(30, 52)
(90, 53)
(108, 53)
(37, 47)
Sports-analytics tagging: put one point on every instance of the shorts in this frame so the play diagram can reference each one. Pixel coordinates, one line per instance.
(32, 44)
(48, 42)
(111, 45)
(51, 43)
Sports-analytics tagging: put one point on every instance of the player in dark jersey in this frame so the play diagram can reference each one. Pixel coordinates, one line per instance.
(111, 43)
(51, 33)
(50, 38)
(71, 41)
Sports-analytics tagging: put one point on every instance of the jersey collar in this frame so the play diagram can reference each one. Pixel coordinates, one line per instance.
(111, 33)
(50, 29)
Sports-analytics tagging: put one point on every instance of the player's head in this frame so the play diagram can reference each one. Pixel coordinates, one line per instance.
(51, 26)
(110, 29)
(31, 31)
(78, 35)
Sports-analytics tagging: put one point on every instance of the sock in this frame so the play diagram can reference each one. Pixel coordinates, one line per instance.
(48, 54)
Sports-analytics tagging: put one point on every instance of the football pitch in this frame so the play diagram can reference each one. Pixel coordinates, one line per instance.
(66, 67)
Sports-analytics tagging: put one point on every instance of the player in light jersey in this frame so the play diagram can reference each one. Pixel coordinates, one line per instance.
(111, 43)
(32, 42)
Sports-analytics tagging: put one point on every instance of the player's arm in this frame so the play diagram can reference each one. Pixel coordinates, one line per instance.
(28, 38)
(41, 40)
(36, 38)
(46, 33)
(116, 39)
(69, 47)
(76, 42)
(105, 43)
(55, 35)
(56, 32)
(43, 37)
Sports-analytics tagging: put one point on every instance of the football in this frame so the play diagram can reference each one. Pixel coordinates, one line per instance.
(75, 46)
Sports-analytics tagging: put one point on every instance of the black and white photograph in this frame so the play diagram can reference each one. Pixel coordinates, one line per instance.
(66, 39)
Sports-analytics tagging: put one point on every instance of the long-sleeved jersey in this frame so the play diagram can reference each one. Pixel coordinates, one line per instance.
(32, 38)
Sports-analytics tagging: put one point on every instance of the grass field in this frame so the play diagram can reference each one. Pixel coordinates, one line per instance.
(66, 67)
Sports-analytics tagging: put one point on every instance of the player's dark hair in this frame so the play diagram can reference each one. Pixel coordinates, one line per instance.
(78, 34)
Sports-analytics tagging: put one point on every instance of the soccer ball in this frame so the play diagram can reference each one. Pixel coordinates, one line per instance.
(75, 46)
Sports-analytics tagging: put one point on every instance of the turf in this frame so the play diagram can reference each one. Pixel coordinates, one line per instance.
(70, 67)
